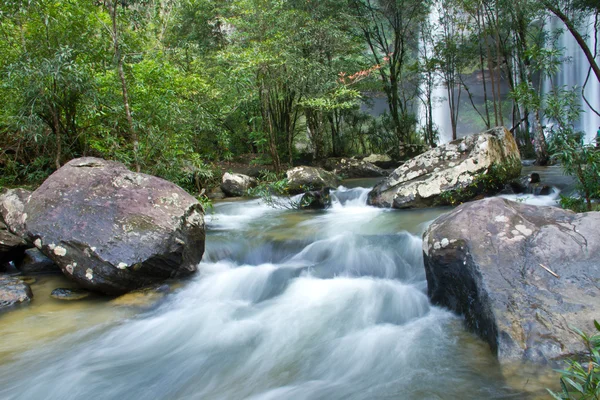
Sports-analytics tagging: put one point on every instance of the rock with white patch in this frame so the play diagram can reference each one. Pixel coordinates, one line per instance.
(112, 230)
(521, 275)
(12, 210)
(455, 172)
(236, 185)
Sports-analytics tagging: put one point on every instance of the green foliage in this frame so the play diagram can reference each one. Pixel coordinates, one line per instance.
(581, 379)
(578, 159)
(486, 183)
(210, 80)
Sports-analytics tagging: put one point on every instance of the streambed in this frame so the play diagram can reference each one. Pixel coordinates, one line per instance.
(288, 305)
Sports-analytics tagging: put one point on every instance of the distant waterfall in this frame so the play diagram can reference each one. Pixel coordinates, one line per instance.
(439, 94)
(574, 72)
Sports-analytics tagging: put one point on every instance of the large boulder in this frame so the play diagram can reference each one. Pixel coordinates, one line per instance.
(304, 179)
(236, 185)
(12, 206)
(452, 173)
(353, 168)
(521, 275)
(112, 230)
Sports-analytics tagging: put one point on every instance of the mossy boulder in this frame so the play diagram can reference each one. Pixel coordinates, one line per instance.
(459, 171)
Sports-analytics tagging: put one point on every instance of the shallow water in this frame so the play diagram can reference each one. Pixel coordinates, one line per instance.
(288, 305)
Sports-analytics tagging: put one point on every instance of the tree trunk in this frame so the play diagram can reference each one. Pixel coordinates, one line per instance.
(56, 125)
(580, 40)
(119, 59)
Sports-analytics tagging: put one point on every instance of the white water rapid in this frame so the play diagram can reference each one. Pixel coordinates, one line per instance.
(288, 305)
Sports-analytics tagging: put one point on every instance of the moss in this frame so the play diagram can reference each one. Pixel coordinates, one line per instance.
(486, 183)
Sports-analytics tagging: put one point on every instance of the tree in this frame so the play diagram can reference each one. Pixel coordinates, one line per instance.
(388, 26)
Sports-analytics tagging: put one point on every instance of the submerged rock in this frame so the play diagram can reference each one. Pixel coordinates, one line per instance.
(69, 294)
(236, 185)
(303, 179)
(13, 291)
(112, 230)
(145, 298)
(521, 275)
(452, 173)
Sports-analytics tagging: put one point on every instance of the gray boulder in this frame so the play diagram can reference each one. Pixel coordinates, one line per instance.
(13, 291)
(236, 185)
(304, 179)
(452, 173)
(112, 230)
(353, 168)
(12, 206)
(521, 275)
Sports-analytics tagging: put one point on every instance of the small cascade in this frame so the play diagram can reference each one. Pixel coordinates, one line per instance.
(287, 305)
(551, 199)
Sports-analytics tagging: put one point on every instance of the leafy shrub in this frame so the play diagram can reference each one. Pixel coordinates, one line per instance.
(581, 379)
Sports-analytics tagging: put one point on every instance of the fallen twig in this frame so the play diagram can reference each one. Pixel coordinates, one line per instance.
(549, 270)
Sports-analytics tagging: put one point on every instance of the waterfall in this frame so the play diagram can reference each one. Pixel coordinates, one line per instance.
(573, 74)
(440, 112)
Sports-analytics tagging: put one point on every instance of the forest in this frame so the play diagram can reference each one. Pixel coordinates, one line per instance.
(172, 87)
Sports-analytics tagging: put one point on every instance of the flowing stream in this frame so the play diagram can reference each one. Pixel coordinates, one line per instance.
(288, 305)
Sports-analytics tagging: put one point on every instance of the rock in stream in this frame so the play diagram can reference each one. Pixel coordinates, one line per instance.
(521, 275)
(112, 230)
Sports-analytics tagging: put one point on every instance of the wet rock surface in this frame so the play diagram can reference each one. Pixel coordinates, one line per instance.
(452, 173)
(303, 179)
(112, 230)
(236, 185)
(35, 262)
(147, 297)
(521, 275)
(13, 291)
(315, 200)
(69, 294)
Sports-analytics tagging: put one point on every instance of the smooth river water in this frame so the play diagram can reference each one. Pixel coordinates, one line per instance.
(288, 305)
